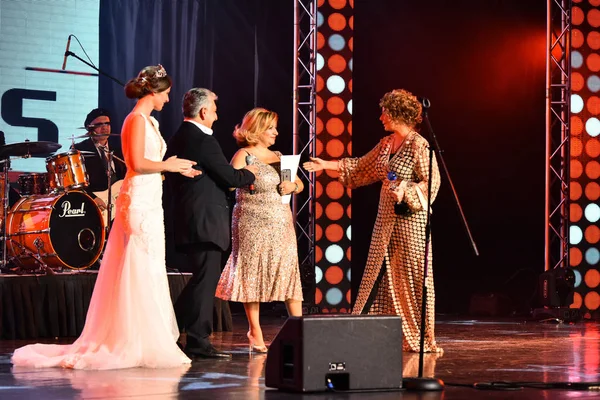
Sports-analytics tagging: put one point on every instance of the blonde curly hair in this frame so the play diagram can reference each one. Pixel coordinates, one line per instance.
(255, 122)
(402, 106)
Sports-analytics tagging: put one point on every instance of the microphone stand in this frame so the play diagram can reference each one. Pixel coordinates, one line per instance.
(70, 53)
(420, 383)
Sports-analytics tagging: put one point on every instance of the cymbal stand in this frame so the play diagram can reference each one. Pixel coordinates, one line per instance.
(5, 168)
(109, 174)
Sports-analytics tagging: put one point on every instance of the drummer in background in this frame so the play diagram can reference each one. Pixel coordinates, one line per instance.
(97, 124)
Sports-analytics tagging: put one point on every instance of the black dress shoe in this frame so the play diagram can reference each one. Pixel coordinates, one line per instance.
(210, 352)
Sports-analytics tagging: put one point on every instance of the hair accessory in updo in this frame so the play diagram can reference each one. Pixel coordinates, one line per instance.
(161, 72)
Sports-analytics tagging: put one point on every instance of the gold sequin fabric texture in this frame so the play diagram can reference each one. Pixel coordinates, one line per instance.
(398, 241)
(263, 265)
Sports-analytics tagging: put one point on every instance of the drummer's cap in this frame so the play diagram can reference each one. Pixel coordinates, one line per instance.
(95, 113)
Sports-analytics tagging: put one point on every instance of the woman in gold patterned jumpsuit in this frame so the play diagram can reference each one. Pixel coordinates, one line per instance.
(392, 282)
(263, 265)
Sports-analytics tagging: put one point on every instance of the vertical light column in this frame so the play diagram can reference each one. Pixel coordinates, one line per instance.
(584, 166)
(335, 19)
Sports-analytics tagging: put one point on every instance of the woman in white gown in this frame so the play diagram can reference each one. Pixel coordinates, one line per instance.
(130, 320)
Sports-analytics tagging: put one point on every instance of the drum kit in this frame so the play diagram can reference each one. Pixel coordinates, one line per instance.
(55, 224)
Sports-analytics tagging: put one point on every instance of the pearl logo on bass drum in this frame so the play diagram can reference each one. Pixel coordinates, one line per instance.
(68, 211)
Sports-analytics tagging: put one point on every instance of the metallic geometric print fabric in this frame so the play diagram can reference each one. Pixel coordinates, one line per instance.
(398, 240)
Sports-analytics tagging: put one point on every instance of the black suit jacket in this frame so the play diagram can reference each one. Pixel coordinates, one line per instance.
(199, 206)
(96, 167)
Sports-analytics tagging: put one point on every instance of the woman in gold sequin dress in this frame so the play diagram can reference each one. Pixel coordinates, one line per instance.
(263, 265)
(393, 278)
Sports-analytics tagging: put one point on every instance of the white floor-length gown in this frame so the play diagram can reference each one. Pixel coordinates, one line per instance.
(130, 320)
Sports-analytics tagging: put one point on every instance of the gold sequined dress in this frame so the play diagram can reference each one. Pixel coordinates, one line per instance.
(263, 265)
(398, 241)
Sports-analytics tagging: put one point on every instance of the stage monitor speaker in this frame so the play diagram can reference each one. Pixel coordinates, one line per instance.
(336, 352)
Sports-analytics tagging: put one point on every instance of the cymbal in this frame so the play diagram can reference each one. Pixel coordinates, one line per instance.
(27, 149)
(96, 135)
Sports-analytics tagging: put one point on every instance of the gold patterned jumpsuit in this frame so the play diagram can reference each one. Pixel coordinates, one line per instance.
(398, 241)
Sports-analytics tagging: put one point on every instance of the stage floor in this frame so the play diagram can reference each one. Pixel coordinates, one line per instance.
(475, 351)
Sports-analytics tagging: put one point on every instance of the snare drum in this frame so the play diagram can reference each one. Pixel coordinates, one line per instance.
(33, 184)
(75, 240)
(66, 171)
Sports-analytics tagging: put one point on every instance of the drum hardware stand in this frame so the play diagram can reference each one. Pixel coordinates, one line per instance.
(6, 167)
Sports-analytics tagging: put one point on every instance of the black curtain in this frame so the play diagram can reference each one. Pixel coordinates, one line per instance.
(241, 49)
(482, 65)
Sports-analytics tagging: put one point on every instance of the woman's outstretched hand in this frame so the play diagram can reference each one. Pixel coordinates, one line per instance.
(315, 164)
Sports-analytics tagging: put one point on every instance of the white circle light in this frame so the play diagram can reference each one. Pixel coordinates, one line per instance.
(576, 103)
(334, 254)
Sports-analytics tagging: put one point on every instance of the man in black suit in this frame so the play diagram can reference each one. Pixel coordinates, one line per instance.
(97, 123)
(201, 216)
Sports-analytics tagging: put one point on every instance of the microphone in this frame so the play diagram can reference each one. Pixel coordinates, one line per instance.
(67, 53)
(424, 102)
(250, 161)
(392, 177)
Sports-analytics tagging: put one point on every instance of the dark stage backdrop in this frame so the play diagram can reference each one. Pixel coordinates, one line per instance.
(482, 65)
(240, 49)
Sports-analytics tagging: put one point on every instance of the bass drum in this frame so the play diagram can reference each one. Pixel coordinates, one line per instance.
(61, 230)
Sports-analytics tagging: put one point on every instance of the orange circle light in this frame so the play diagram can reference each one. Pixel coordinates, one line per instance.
(593, 62)
(577, 16)
(575, 256)
(336, 63)
(576, 147)
(336, 106)
(320, 40)
(592, 148)
(593, 18)
(319, 103)
(334, 190)
(592, 191)
(349, 253)
(577, 38)
(594, 3)
(319, 127)
(332, 174)
(592, 301)
(349, 127)
(349, 211)
(318, 210)
(351, 44)
(318, 254)
(592, 169)
(575, 212)
(576, 125)
(334, 275)
(351, 22)
(336, 21)
(318, 296)
(318, 189)
(593, 105)
(576, 169)
(335, 148)
(349, 296)
(320, 83)
(320, 3)
(334, 211)
(575, 191)
(349, 148)
(593, 40)
(592, 278)
(318, 232)
(334, 233)
(337, 4)
(318, 149)
(335, 126)
(577, 81)
(592, 234)
(577, 300)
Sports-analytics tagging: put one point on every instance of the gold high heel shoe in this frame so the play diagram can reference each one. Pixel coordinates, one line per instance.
(256, 349)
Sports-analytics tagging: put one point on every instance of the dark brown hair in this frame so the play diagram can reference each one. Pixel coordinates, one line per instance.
(151, 79)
